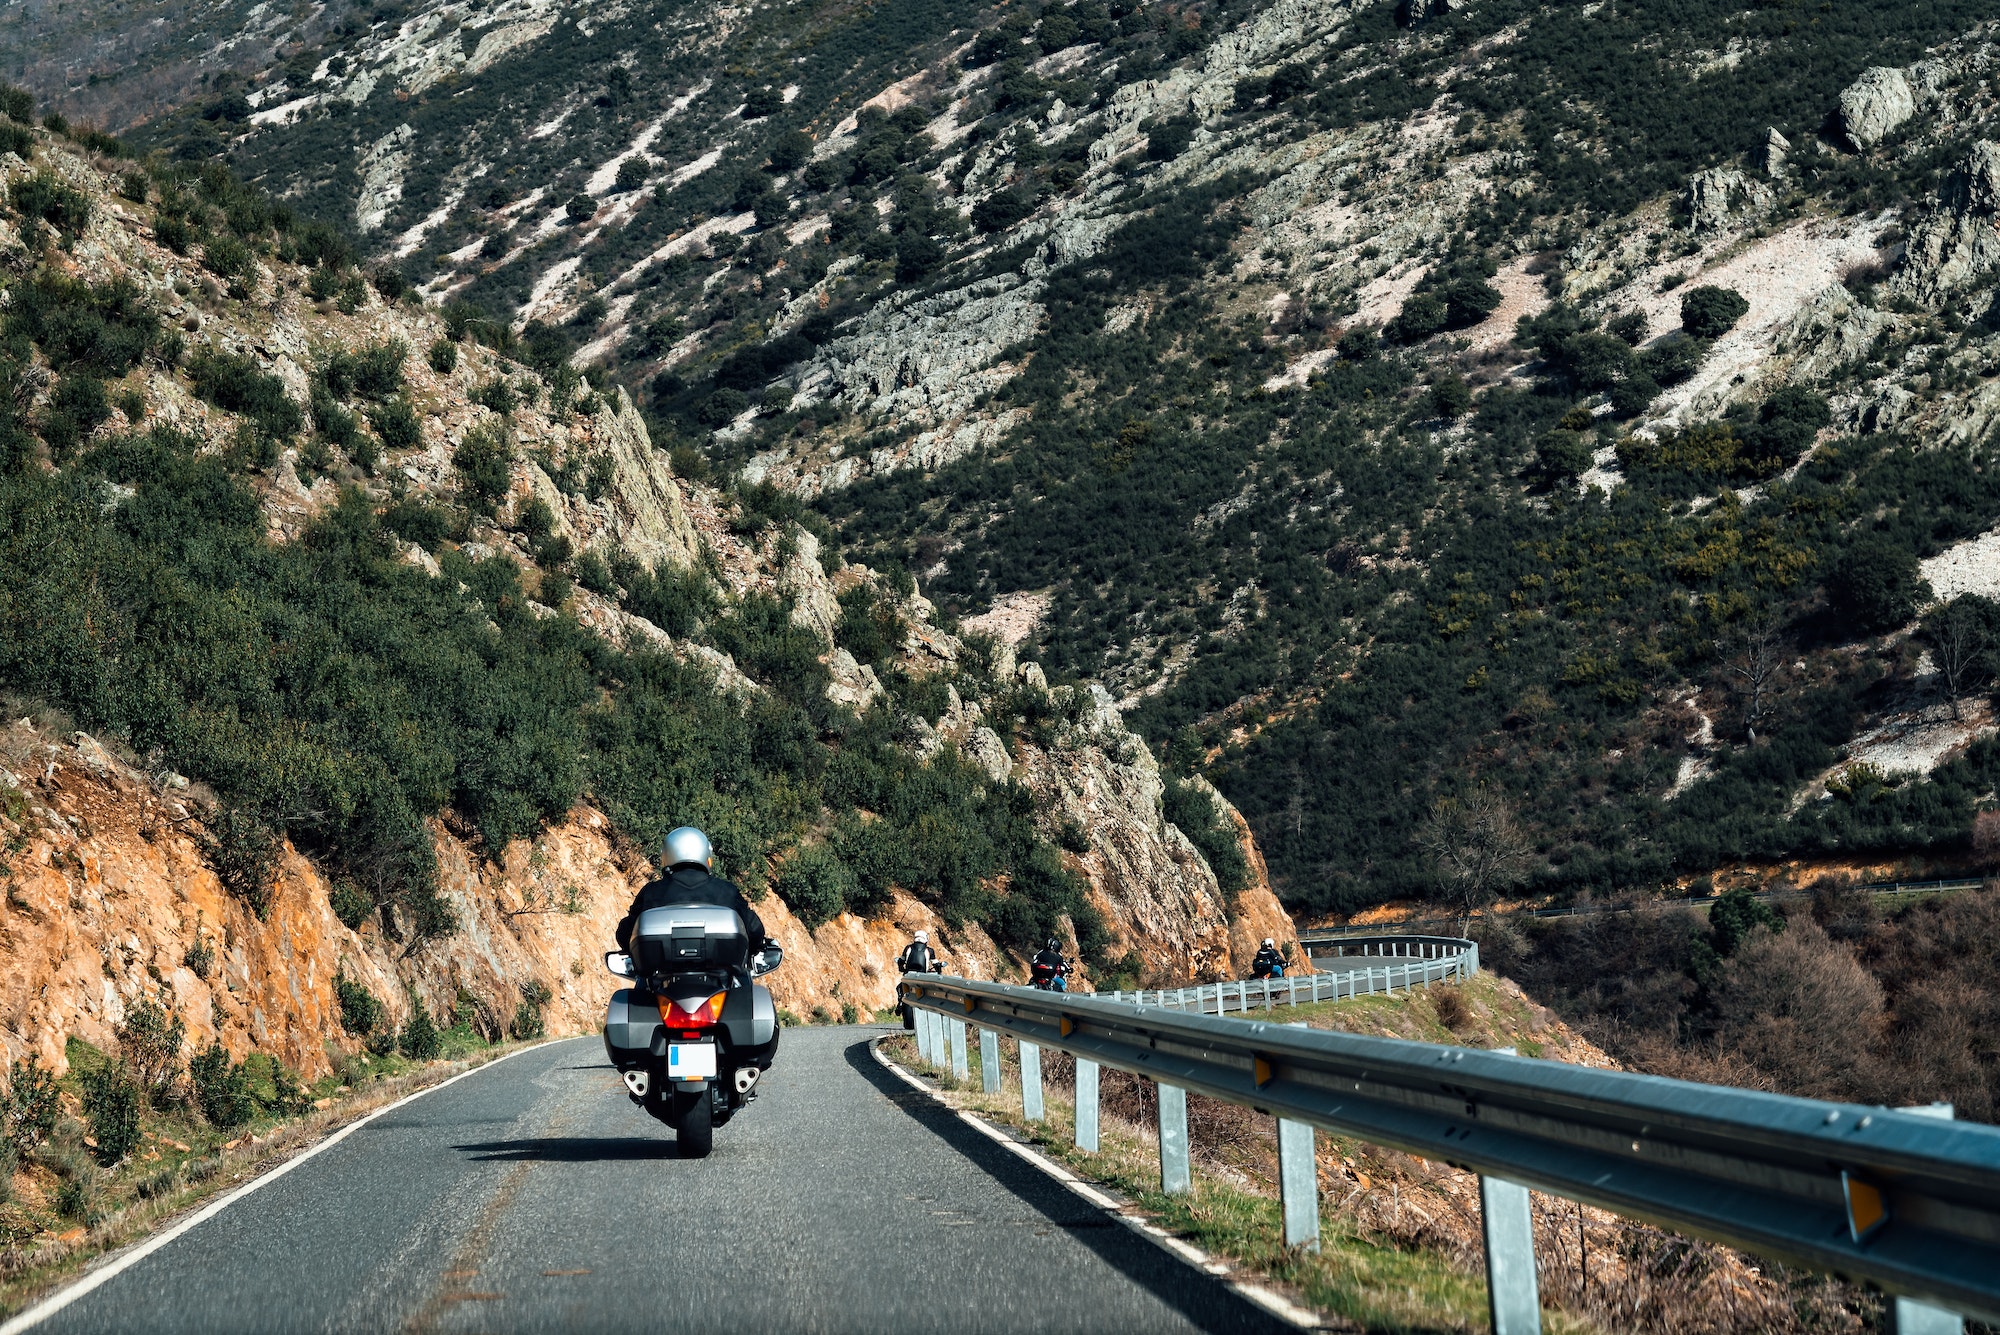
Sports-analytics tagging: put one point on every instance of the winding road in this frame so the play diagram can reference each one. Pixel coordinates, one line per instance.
(531, 1195)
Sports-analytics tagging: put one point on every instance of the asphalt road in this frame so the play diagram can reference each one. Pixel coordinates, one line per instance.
(532, 1196)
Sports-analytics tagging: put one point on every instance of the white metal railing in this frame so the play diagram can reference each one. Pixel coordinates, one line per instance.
(1392, 964)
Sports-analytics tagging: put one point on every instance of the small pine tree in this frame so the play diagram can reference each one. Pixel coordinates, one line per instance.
(111, 1099)
(221, 1087)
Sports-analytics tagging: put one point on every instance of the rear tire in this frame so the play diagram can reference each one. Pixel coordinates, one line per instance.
(694, 1128)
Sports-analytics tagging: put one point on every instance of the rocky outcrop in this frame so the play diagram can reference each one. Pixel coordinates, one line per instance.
(1722, 197)
(927, 361)
(1874, 105)
(1956, 241)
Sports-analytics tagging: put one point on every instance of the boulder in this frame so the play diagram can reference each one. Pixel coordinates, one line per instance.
(1776, 150)
(1874, 105)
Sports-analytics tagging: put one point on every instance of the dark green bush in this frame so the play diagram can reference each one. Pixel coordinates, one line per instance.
(45, 198)
(1710, 312)
(396, 423)
(360, 1010)
(243, 852)
(374, 371)
(528, 1022)
(221, 1087)
(419, 1040)
(581, 208)
(443, 356)
(30, 1106)
(111, 1099)
(1876, 584)
(149, 1043)
(1195, 814)
(485, 461)
(351, 904)
(237, 384)
(817, 884)
(1674, 360)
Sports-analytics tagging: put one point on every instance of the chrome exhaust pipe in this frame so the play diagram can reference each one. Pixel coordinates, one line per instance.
(746, 1077)
(639, 1082)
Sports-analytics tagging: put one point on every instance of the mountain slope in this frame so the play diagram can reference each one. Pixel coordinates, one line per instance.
(1186, 348)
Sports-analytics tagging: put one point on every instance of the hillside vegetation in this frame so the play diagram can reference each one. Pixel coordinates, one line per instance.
(1397, 408)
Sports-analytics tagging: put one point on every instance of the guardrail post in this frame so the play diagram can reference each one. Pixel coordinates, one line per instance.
(934, 1028)
(959, 1066)
(924, 1035)
(1509, 1224)
(1176, 1177)
(989, 1061)
(1298, 1184)
(1508, 1219)
(1031, 1082)
(1086, 1105)
(1909, 1316)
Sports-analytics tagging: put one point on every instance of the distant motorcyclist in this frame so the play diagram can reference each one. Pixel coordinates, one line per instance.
(1269, 962)
(1049, 970)
(688, 880)
(918, 957)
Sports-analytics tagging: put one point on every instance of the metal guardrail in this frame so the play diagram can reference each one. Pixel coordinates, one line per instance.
(1893, 1198)
(1321, 935)
(1423, 960)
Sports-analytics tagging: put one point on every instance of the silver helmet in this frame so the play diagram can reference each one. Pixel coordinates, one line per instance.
(688, 846)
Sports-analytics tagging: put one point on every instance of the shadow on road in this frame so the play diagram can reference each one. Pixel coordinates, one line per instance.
(571, 1149)
(1200, 1298)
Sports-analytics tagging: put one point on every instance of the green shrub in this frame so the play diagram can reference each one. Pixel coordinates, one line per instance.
(17, 104)
(243, 853)
(581, 208)
(105, 330)
(443, 356)
(375, 371)
(1196, 815)
(175, 233)
(149, 1043)
(237, 384)
(79, 1197)
(46, 198)
(18, 140)
(1674, 360)
(816, 883)
(485, 461)
(226, 257)
(1876, 584)
(29, 1108)
(221, 1087)
(360, 1010)
(111, 1099)
(396, 423)
(528, 1023)
(1710, 312)
(790, 151)
(420, 1040)
(496, 395)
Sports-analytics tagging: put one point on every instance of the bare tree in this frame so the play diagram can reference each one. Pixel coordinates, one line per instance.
(1759, 655)
(1956, 635)
(1475, 846)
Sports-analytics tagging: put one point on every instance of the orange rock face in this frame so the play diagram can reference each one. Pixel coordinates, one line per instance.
(107, 896)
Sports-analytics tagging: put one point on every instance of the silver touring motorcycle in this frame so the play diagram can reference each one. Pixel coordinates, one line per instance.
(694, 1032)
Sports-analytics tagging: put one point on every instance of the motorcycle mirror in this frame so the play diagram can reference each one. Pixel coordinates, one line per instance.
(620, 963)
(767, 959)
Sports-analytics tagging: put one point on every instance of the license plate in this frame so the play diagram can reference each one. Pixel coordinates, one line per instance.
(690, 1061)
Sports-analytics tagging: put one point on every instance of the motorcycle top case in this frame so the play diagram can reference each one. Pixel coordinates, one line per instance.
(689, 938)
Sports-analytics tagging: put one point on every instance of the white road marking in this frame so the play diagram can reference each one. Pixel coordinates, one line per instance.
(119, 1264)
(1271, 1301)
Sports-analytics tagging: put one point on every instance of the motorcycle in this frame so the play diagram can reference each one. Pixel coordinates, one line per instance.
(695, 1033)
(1048, 977)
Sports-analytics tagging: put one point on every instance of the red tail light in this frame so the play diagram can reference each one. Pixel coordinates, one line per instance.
(689, 1015)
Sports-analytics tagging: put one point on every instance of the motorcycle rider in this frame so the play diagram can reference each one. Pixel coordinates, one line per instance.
(1050, 957)
(1269, 963)
(688, 856)
(917, 956)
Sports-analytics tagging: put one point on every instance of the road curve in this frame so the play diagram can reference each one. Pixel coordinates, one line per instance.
(532, 1196)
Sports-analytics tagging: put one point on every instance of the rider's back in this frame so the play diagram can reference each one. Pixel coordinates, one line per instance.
(691, 885)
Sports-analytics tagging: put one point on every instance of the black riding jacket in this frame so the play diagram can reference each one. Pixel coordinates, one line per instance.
(1267, 959)
(692, 885)
(1052, 959)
